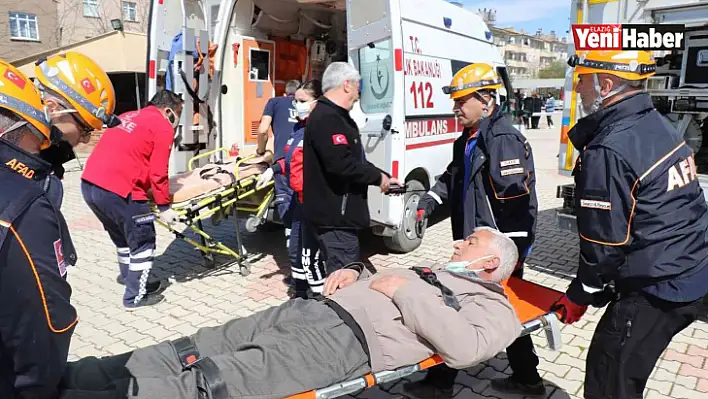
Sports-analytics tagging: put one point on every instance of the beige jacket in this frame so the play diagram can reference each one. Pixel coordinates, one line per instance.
(416, 323)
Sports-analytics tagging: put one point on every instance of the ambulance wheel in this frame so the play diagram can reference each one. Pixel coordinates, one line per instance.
(405, 239)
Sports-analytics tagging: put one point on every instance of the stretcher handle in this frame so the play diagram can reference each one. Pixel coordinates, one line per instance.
(204, 155)
(242, 160)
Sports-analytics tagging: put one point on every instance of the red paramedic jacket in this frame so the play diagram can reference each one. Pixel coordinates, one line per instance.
(134, 157)
(291, 164)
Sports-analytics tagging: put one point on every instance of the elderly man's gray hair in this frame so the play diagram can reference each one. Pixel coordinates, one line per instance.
(507, 252)
(336, 74)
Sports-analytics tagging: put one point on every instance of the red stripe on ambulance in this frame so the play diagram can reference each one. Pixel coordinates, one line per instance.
(430, 128)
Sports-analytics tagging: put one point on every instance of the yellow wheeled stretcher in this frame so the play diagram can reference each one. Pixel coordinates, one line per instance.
(216, 191)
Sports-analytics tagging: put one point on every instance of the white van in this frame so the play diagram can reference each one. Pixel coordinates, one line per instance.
(406, 51)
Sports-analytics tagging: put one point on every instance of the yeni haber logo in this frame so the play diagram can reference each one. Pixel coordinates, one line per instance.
(627, 37)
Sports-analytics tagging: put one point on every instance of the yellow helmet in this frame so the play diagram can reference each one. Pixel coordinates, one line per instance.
(20, 96)
(81, 82)
(472, 78)
(626, 64)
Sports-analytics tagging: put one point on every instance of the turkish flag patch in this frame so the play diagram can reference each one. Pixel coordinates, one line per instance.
(88, 86)
(339, 139)
(14, 78)
(59, 253)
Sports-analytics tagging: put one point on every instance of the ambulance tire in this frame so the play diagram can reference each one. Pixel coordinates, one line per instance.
(405, 239)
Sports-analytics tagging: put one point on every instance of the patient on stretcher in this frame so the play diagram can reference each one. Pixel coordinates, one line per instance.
(367, 323)
(212, 177)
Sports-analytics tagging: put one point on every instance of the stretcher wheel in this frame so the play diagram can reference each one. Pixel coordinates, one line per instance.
(245, 268)
(252, 224)
(209, 261)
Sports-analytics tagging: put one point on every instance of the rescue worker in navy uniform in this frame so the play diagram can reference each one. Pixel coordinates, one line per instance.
(642, 219)
(37, 319)
(490, 182)
(336, 174)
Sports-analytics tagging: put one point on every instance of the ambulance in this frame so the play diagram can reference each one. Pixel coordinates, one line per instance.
(246, 50)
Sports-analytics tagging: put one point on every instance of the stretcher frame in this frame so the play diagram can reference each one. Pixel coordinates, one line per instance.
(531, 302)
(220, 204)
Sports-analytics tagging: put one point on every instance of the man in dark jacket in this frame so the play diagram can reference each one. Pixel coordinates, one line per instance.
(490, 182)
(642, 221)
(336, 173)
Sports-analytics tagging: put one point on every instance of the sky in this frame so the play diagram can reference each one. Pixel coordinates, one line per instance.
(528, 15)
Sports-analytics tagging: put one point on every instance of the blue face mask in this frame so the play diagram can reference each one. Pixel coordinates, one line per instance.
(460, 267)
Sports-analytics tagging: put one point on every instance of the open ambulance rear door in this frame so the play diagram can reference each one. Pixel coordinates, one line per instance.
(374, 45)
(176, 30)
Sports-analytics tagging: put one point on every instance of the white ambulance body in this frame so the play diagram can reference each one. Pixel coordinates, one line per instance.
(405, 50)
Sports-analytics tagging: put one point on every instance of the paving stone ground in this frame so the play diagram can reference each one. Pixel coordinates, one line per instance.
(201, 297)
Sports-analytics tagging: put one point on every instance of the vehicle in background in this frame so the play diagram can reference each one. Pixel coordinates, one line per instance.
(405, 50)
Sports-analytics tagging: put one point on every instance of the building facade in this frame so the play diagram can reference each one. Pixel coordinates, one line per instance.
(83, 19)
(33, 26)
(525, 54)
(27, 26)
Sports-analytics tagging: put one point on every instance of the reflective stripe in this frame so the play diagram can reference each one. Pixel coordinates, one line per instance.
(435, 197)
(99, 113)
(22, 107)
(148, 253)
(140, 266)
(591, 290)
(123, 255)
(517, 234)
(142, 288)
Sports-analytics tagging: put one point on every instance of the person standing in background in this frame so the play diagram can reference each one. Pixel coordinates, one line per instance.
(536, 108)
(308, 271)
(280, 113)
(550, 108)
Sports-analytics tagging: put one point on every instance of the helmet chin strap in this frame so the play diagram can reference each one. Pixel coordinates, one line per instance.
(597, 104)
(485, 110)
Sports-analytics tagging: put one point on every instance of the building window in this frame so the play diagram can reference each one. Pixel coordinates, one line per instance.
(90, 8)
(130, 11)
(23, 26)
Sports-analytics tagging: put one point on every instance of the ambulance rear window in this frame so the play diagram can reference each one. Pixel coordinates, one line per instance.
(376, 70)
(366, 12)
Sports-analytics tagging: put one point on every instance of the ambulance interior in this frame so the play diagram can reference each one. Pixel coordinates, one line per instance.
(266, 43)
(272, 42)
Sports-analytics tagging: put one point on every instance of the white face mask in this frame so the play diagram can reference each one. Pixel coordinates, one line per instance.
(303, 109)
(460, 267)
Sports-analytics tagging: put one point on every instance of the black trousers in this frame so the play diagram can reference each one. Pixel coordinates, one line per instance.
(534, 122)
(338, 247)
(631, 335)
(521, 354)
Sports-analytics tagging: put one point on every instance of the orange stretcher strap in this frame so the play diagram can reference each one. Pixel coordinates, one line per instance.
(531, 302)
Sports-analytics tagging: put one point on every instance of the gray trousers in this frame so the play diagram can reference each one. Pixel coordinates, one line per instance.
(296, 347)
